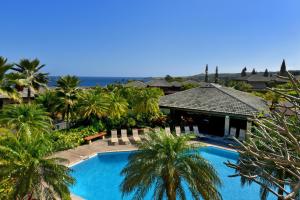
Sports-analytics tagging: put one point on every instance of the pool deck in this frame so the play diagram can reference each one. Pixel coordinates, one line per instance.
(83, 152)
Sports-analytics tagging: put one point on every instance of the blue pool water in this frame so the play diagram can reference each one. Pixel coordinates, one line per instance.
(99, 177)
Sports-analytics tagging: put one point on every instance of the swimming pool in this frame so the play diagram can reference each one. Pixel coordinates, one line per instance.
(99, 177)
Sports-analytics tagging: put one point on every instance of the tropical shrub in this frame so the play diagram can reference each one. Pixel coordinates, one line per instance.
(189, 86)
(240, 85)
(68, 139)
(26, 171)
(25, 119)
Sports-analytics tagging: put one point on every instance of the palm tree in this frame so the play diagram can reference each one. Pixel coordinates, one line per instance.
(48, 100)
(30, 75)
(93, 105)
(165, 162)
(26, 171)
(146, 101)
(6, 88)
(118, 105)
(25, 118)
(67, 91)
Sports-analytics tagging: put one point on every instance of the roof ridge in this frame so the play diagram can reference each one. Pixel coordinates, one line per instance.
(219, 88)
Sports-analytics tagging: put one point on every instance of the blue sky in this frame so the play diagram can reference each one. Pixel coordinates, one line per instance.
(151, 37)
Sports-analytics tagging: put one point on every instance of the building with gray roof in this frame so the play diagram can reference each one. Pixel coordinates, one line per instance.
(216, 109)
(137, 84)
(261, 82)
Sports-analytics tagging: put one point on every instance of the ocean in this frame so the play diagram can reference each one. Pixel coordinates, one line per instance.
(100, 81)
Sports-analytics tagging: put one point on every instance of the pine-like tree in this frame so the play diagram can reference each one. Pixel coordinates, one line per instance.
(253, 71)
(243, 73)
(266, 73)
(217, 75)
(206, 73)
(283, 71)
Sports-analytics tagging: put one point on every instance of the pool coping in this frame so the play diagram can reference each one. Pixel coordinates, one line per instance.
(95, 154)
(127, 150)
(77, 197)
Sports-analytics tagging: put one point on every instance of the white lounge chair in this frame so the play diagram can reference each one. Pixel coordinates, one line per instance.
(232, 132)
(187, 130)
(114, 136)
(242, 135)
(196, 131)
(168, 130)
(124, 137)
(177, 130)
(135, 135)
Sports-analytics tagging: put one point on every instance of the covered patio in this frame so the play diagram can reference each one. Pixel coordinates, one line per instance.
(216, 110)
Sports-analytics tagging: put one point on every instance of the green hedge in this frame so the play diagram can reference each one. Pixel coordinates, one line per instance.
(68, 139)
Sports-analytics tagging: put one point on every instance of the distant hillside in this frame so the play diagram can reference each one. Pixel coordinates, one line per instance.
(228, 76)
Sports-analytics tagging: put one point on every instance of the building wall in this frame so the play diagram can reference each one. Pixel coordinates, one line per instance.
(207, 124)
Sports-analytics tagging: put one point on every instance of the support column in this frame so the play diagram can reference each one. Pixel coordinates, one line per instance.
(249, 125)
(226, 126)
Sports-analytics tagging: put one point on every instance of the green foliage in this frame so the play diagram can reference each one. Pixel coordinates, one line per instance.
(7, 81)
(49, 101)
(118, 105)
(283, 71)
(67, 92)
(26, 171)
(171, 79)
(189, 86)
(244, 72)
(206, 73)
(25, 119)
(93, 105)
(146, 101)
(266, 73)
(217, 75)
(165, 161)
(118, 123)
(30, 75)
(66, 139)
(270, 155)
(240, 85)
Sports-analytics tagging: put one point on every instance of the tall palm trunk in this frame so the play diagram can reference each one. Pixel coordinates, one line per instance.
(68, 114)
(29, 94)
(170, 189)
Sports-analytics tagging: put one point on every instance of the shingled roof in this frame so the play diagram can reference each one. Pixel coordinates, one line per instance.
(215, 99)
(260, 78)
(159, 83)
(138, 84)
(193, 82)
(176, 84)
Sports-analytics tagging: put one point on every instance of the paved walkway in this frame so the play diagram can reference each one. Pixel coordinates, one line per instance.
(83, 152)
